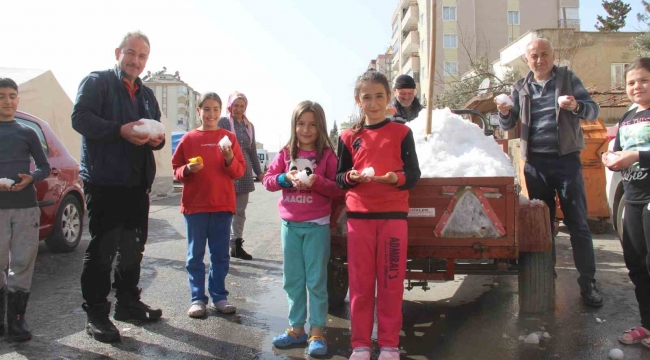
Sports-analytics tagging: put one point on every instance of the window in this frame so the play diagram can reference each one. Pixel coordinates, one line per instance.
(39, 132)
(449, 13)
(394, 28)
(513, 17)
(396, 48)
(450, 41)
(510, 39)
(451, 68)
(618, 75)
(422, 19)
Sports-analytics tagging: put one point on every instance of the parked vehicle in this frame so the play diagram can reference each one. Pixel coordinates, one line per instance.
(60, 196)
(263, 155)
(614, 189)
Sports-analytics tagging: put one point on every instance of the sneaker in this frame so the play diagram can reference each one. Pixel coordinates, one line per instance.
(238, 251)
(389, 353)
(197, 310)
(360, 353)
(590, 294)
(223, 307)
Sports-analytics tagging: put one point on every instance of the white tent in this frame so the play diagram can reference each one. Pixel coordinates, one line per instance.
(41, 95)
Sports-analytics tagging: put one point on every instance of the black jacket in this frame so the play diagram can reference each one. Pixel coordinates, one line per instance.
(98, 114)
(404, 115)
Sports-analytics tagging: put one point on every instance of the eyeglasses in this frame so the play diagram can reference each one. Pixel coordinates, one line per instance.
(406, 92)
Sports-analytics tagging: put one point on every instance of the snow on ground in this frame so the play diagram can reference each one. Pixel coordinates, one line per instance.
(457, 148)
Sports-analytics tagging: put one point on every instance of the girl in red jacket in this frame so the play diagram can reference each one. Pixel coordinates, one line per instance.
(207, 167)
(377, 203)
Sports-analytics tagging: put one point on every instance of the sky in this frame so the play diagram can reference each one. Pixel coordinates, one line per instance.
(277, 52)
(590, 9)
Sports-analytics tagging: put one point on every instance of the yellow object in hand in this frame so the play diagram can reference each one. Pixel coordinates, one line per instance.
(197, 159)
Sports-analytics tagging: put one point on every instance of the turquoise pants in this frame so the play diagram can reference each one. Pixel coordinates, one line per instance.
(306, 248)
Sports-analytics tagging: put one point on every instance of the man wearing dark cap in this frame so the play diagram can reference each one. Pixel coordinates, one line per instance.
(406, 105)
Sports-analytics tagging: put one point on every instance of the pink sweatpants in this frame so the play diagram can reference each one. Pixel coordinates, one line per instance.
(376, 260)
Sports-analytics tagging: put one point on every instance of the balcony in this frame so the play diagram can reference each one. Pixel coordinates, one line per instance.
(412, 65)
(411, 43)
(395, 62)
(410, 18)
(569, 23)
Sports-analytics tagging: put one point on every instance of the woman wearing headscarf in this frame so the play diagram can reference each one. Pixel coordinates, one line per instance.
(238, 123)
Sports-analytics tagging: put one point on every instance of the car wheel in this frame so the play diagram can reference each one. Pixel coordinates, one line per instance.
(67, 227)
(620, 215)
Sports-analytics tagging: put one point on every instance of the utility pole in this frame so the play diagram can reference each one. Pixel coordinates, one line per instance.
(432, 63)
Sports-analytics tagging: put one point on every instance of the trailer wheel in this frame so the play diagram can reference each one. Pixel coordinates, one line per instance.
(337, 283)
(536, 282)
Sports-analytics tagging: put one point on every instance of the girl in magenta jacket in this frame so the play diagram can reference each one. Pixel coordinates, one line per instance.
(305, 171)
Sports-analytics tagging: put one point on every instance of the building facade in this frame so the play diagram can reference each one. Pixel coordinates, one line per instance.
(176, 98)
(466, 29)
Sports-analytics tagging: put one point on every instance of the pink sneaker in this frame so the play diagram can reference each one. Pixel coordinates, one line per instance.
(360, 353)
(389, 353)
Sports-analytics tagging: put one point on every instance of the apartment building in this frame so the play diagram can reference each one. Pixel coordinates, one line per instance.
(466, 29)
(177, 100)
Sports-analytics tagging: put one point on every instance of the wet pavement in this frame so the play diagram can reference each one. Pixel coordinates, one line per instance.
(473, 317)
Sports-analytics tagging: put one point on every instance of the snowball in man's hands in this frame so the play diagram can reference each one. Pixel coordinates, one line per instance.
(304, 177)
(369, 171)
(152, 127)
(225, 141)
(562, 99)
(504, 99)
(7, 182)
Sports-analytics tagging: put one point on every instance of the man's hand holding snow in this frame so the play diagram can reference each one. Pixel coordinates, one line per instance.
(132, 136)
(155, 141)
(568, 102)
(503, 107)
(25, 180)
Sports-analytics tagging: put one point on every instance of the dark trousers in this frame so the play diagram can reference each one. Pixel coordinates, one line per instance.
(117, 221)
(636, 239)
(548, 175)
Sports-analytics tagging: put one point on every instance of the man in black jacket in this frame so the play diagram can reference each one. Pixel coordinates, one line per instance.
(118, 168)
(407, 106)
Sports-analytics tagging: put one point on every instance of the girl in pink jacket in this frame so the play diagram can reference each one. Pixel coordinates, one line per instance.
(305, 171)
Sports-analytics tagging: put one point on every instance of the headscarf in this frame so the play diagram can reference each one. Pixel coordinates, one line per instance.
(231, 99)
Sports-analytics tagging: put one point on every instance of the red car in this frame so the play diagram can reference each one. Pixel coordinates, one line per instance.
(60, 196)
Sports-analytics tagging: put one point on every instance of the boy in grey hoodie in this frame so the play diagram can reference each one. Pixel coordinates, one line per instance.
(19, 212)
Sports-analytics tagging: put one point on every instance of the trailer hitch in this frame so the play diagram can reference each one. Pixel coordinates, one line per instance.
(411, 285)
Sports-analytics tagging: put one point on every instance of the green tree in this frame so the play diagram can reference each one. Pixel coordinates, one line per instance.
(334, 135)
(617, 12)
(641, 43)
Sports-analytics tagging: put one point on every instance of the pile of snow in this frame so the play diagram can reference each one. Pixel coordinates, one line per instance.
(152, 127)
(457, 148)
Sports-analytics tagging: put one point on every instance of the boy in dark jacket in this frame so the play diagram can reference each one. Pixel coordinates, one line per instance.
(118, 168)
(19, 212)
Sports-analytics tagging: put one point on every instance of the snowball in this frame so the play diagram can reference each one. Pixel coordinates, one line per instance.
(7, 182)
(532, 339)
(505, 336)
(457, 148)
(152, 127)
(504, 99)
(546, 335)
(304, 177)
(225, 141)
(369, 171)
(611, 157)
(562, 99)
(616, 354)
(598, 320)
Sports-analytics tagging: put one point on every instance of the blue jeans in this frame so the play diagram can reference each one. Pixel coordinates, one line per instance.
(213, 228)
(548, 174)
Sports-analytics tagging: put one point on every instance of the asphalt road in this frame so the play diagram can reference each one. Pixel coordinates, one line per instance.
(473, 317)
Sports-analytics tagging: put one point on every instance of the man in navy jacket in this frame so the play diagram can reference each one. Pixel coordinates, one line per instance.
(118, 168)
